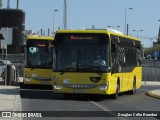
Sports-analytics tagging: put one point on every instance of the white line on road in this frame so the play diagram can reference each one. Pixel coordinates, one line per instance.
(108, 110)
(100, 106)
(144, 90)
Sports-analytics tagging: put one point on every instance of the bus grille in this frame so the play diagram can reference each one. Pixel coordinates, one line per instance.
(41, 79)
(80, 86)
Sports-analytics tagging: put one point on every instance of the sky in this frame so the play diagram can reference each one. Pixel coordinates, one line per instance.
(83, 14)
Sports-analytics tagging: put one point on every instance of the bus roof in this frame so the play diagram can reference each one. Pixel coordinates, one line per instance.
(36, 37)
(100, 31)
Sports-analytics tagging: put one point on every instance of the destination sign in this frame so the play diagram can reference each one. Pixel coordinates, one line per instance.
(73, 37)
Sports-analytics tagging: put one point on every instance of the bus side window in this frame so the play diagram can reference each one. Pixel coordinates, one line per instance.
(113, 47)
(114, 57)
(138, 54)
(54, 58)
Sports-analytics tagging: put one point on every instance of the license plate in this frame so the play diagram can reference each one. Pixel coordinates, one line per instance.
(80, 91)
(45, 82)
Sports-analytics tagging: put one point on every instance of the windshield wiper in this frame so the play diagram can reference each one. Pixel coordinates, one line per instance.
(92, 68)
(84, 68)
(65, 70)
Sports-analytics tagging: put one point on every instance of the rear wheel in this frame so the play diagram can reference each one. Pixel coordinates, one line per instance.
(133, 88)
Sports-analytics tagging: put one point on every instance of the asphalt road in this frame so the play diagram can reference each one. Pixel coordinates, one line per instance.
(40, 100)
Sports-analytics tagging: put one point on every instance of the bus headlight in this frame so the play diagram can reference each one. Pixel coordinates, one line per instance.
(57, 79)
(104, 87)
(57, 87)
(28, 79)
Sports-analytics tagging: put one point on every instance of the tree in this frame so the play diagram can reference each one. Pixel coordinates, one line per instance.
(150, 51)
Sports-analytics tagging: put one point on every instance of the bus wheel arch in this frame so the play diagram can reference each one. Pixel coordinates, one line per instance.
(118, 85)
(133, 86)
(115, 95)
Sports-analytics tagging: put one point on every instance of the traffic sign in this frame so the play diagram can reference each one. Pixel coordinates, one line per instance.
(156, 55)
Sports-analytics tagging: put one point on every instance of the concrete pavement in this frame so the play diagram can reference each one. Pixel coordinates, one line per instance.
(10, 97)
(9, 100)
(153, 93)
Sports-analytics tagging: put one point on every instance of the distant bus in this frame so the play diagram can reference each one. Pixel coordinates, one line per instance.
(96, 62)
(38, 61)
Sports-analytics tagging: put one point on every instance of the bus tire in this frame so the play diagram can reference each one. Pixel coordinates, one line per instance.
(134, 87)
(115, 96)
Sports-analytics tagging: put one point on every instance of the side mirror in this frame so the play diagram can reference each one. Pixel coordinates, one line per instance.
(139, 46)
(48, 47)
(54, 43)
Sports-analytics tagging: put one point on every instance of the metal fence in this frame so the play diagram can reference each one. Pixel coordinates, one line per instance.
(151, 70)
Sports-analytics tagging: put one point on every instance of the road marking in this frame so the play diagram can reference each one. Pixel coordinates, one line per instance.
(108, 110)
(100, 106)
(144, 90)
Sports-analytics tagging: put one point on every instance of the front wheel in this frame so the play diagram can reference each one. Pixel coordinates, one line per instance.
(115, 96)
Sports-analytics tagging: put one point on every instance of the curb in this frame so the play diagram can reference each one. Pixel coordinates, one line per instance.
(153, 94)
(149, 83)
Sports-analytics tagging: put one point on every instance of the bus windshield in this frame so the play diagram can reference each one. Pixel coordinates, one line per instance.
(39, 54)
(83, 53)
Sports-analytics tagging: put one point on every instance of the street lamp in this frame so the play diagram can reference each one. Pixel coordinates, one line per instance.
(113, 26)
(158, 40)
(144, 43)
(126, 25)
(54, 19)
(137, 31)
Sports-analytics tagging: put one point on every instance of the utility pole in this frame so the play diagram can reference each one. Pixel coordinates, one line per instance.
(65, 15)
(8, 4)
(17, 4)
(54, 20)
(126, 26)
(0, 4)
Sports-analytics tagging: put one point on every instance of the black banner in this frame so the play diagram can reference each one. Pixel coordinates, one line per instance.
(8, 114)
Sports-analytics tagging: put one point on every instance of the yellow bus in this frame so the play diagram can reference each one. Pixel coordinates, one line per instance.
(96, 62)
(38, 61)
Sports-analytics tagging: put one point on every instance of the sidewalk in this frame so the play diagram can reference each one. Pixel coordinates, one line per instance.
(150, 83)
(152, 93)
(9, 100)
